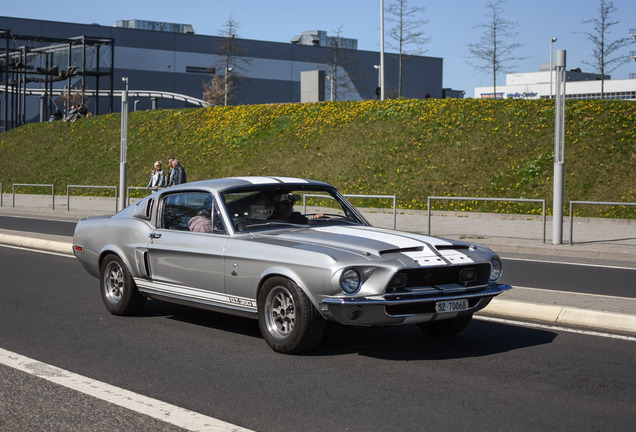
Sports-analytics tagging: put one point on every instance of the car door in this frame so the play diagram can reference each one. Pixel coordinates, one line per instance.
(186, 252)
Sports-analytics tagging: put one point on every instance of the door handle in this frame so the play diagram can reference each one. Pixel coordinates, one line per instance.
(154, 235)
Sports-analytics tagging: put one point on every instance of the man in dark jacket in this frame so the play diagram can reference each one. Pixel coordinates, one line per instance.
(178, 174)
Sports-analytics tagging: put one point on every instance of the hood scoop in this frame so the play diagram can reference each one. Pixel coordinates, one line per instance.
(442, 247)
(401, 250)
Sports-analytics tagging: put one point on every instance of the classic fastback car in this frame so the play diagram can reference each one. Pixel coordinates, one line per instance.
(241, 246)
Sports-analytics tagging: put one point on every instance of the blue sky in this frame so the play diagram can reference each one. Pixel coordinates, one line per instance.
(451, 25)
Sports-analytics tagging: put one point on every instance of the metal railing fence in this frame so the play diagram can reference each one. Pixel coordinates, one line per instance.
(34, 185)
(68, 196)
(437, 198)
(602, 203)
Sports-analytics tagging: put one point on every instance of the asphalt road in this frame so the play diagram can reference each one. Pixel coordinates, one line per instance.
(43, 226)
(493, 376)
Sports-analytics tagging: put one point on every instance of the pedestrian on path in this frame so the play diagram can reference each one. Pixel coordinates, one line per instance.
(157, 177)
(178, 175)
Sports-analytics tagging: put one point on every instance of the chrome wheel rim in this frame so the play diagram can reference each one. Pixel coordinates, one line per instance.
(280, 312)
(114, 282)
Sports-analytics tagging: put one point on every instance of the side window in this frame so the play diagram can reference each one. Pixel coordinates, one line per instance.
(191, 211)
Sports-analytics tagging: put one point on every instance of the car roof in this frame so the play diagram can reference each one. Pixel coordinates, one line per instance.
(233, 182)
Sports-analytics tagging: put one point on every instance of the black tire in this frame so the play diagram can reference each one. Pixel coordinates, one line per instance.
(288, 321)
(119, 291)
(447, 327)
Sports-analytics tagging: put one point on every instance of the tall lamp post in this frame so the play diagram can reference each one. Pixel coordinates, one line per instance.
(381, 49)
(559, 149)
(227, 73)
(123, 146)
(330, 78)
(552, 41)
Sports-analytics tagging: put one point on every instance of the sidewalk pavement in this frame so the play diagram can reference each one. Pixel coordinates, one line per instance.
(603, 242)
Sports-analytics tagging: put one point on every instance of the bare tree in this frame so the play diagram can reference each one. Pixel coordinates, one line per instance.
(214, 91)
(494, 52)
(406, 32)
(74, 96)
(337, 57)
(232, 65)
(605, 52)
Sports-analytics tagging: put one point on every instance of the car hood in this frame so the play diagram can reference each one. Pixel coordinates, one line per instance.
(372, 243)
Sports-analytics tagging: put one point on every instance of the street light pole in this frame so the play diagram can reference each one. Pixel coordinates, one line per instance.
(227, 72)
(123, 146)
(559, 150)
(552, 41)
(382, 50)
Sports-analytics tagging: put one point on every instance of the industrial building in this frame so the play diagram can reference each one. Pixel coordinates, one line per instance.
(167, 65)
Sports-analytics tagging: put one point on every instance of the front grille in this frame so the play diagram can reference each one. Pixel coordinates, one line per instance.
(429, 281)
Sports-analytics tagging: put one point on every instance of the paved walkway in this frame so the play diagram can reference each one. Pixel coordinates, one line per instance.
(596, 242)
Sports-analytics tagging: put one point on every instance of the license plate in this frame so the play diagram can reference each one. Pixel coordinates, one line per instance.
(451, 306)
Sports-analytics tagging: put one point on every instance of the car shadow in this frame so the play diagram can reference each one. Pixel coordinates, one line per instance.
(202, 317)
(481, 338)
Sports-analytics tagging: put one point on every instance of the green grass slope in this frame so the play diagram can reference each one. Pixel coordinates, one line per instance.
(409, 148)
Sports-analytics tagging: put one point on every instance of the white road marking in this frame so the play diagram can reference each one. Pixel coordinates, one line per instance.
(556, 328)
(567, 263)
(551, 291)
(181, 417)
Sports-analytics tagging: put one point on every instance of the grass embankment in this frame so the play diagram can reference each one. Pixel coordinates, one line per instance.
(409, 148)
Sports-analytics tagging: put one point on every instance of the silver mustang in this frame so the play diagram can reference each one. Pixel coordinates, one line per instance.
(241, 246)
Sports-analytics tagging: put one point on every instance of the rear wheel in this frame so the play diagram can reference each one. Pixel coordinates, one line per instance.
(119, 291)
(288, 321)
(447, 327)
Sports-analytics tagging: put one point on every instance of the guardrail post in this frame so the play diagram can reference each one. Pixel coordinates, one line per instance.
(428, 207)
(571, 221)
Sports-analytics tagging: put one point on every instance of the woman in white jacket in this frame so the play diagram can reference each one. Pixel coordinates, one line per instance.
(157, 177)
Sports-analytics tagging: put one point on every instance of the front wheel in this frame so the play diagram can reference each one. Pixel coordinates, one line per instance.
(447, 327)
(288, 321)
(119, 291)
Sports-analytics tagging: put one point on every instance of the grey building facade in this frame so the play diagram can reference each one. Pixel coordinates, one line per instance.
(266, 72)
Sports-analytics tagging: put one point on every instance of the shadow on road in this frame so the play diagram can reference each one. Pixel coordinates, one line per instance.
(410, 343)
(391, 343)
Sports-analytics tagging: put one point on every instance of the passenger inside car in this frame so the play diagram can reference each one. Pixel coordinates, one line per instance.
(202, 221)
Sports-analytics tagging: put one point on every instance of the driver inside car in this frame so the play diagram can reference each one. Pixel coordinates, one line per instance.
(284, 209)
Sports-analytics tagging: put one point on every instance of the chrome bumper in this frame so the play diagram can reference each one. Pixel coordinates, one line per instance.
(371, 311)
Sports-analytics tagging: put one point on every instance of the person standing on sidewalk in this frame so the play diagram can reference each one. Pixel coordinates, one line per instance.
(170, 172)
(178, 175)
(157, 177)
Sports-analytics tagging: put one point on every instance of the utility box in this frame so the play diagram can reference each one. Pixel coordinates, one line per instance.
(312, 86)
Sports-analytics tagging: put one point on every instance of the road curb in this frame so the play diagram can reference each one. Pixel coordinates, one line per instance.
(36, 243)
(562, 315)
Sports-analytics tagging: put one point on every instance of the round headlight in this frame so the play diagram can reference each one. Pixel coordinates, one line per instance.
(350, 281)
(496, 269)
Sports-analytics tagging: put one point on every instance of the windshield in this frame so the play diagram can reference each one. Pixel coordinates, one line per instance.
(266, 207)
